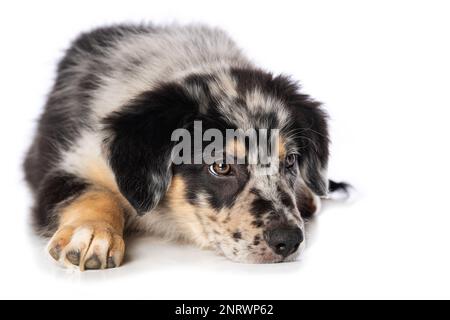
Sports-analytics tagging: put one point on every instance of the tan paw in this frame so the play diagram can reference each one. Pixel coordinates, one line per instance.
(89, 246)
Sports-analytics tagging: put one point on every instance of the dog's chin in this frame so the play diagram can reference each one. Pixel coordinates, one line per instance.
(266, 258)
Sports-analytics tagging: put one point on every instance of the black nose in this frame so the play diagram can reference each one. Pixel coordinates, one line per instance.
(284, 240)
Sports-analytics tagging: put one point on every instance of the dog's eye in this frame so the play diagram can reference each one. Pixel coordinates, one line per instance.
(220, 169)
(290, 160)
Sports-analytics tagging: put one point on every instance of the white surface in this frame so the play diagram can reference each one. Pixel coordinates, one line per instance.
(383, 70)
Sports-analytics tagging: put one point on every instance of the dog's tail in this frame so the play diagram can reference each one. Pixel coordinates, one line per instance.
(339, 190)
(334, 186)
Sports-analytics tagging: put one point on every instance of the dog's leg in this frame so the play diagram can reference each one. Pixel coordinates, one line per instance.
(307, 202)
(90, 231)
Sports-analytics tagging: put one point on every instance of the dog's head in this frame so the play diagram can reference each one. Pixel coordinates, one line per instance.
(249, 210)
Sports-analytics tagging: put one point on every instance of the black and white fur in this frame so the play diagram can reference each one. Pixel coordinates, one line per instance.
(120, 92)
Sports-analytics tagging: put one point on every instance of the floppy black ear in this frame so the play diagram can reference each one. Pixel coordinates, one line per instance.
(309, 129)
(312, 136)
(139, 143)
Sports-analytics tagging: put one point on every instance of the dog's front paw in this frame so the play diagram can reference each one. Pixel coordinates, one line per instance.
(89, 246)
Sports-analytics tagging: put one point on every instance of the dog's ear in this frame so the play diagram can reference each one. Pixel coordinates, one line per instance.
(139, 143)
(309, 129)
(312, 136)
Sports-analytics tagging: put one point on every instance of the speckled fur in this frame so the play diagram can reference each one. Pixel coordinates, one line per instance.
(113, 75)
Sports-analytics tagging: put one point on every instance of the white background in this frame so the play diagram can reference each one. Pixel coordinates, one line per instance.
(382, 68)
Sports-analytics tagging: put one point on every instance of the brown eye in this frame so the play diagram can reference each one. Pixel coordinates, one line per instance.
(220, 169)
(290, 160)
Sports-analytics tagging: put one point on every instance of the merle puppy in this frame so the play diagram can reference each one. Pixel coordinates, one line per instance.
(101, 162)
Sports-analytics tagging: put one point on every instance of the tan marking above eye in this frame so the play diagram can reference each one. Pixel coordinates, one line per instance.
(282, 147)
(236, 148)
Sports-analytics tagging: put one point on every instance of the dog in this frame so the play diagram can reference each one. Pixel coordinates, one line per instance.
(101, 163)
